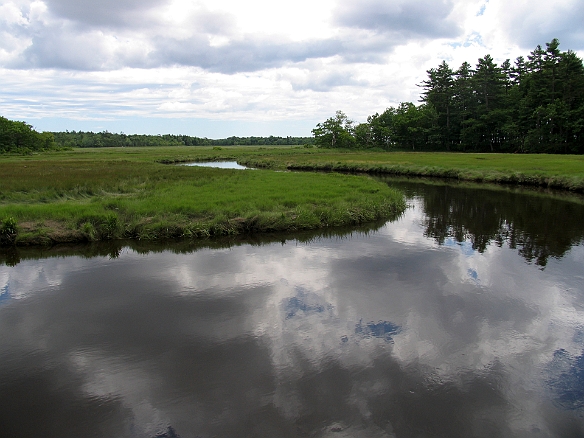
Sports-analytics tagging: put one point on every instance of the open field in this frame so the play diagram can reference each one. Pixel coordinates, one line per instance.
(127, 193)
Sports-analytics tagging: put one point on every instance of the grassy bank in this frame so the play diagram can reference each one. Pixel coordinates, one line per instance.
(127, 193)
(554, 171)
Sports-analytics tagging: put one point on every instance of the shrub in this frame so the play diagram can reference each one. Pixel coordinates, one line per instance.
(8, 231)
(109, 226)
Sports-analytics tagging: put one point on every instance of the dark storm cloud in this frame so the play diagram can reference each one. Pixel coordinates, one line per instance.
(422, 18)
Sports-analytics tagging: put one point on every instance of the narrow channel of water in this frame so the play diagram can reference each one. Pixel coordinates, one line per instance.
(218, 164)
(465, 317)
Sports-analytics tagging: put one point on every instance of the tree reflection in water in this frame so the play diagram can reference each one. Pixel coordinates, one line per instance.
(538, 225)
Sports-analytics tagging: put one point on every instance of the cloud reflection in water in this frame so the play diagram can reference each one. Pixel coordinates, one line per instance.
(380, 334)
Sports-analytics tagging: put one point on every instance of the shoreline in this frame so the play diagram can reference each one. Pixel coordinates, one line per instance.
(570, 184)
(46, 233)
(52, 202)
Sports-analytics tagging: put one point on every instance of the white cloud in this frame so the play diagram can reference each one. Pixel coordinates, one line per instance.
(256, 60)
(11, 14)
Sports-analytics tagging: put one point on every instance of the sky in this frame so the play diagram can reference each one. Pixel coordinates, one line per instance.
(217, 68)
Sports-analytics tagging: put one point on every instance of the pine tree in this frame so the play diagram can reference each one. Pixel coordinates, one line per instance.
(439, 92)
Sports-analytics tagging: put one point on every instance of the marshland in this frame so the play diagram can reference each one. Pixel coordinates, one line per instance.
(410, 268)
(462, 316)
(140, 193)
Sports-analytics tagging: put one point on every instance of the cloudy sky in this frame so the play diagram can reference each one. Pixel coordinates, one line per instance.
(224, 67)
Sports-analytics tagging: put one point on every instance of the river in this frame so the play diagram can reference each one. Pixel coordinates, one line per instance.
(463, 318)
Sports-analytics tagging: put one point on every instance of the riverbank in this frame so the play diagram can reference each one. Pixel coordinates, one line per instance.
(127, 194)
(564, 172)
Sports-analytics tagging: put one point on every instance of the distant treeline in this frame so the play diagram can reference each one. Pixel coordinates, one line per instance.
(16, 136)
(21, 137)
(107, 139)
(533, 106)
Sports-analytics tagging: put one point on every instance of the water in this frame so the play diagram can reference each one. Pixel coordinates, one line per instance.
(218, 164)
(463, 318)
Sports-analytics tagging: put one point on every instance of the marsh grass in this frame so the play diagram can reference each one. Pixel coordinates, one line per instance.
(112, 193)
(554, 171)
(69, 197)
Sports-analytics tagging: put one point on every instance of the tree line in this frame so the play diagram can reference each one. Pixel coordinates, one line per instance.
(535, 105)
(21, 137)
(107, 139)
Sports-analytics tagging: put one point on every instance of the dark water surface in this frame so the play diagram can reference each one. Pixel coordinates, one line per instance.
(464, 318)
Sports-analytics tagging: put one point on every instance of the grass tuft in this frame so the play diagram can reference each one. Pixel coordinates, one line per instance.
(8, 231)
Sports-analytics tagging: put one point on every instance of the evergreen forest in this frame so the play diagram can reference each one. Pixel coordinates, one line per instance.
(534, 105)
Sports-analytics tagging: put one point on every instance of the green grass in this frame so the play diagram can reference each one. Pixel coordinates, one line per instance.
(127, 193)
(110, 193)
(556, 171)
